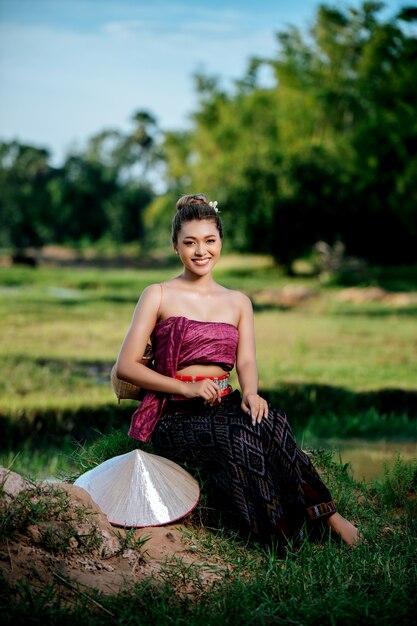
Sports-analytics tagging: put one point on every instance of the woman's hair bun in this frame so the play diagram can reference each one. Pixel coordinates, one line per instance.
(198, 198)
(195, 207)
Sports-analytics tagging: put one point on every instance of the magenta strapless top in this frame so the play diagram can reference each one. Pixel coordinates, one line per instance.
(178, 342)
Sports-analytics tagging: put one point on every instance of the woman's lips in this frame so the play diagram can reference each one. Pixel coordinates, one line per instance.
(201, 261)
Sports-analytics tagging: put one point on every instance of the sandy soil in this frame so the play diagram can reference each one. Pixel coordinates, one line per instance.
(293, 295)
(77, 548)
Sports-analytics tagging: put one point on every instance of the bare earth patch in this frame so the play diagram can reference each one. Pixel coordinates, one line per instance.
(359, 295)
(293, 295)
(55, 533)
(287, 296)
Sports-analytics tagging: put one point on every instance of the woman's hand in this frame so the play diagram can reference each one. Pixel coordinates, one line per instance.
(255, 406)
(206, 389)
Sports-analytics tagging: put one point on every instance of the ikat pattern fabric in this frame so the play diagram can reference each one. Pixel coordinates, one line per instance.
(271, 483)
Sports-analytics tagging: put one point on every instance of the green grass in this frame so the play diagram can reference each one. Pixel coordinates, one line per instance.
(38, 505)
(336, 347)
(337, 368)
(325, 582)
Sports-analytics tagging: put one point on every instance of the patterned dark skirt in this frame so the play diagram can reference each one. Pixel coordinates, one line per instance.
(269, 481)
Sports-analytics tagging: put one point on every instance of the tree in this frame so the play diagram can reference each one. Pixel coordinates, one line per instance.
(26, 215)
(99, 193)
(327, 152)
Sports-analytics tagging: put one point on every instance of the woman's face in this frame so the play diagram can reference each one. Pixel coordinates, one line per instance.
(199, 246)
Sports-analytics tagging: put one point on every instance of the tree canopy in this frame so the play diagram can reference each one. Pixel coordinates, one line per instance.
(326, 150)
(100, 192)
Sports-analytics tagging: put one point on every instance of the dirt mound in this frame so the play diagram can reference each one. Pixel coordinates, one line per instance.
(287, 296)
(54, 532)
(360, 295)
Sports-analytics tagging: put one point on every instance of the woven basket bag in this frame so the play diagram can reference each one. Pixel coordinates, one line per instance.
(128, 391)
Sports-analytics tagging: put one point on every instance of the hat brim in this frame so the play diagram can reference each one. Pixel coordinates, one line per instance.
(139, 489)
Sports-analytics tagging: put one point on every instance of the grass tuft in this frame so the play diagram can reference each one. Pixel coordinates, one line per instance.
(49, 516)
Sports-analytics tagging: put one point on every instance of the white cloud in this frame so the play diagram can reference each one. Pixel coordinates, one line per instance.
(61, 82)
(59, 85)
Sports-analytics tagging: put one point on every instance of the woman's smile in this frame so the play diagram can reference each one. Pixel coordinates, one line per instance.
(201, 261)
(199, 246)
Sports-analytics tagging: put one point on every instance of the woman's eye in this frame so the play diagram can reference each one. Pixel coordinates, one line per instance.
(188, 243)
(211, 241)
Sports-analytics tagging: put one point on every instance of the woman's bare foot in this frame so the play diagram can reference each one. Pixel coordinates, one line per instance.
(346, 531)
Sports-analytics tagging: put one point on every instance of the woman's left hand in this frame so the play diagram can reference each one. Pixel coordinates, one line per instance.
(255, 406)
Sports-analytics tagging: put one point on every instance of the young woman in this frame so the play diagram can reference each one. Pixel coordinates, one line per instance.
(200, 330)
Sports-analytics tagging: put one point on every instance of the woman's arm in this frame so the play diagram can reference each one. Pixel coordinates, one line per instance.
(129, 366)
(246, 368)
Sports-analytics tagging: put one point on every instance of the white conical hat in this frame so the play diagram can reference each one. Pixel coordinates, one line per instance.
(141, 489)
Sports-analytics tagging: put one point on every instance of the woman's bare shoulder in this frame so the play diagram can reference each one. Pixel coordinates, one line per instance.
(240, 303)
(152, 291)
(239, 298)
(150, 298)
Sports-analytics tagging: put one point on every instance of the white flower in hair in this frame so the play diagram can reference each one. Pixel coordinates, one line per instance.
(213, 204)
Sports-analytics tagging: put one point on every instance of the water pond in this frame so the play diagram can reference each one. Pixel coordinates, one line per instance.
(367, 458)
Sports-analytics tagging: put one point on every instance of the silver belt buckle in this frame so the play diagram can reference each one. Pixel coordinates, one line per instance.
(223, 383)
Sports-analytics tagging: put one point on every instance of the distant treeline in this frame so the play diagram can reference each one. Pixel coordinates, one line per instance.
(100, 193)
(327, 151)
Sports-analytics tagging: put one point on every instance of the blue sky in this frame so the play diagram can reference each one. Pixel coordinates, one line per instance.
(70, 68)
